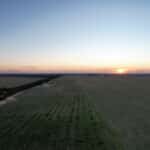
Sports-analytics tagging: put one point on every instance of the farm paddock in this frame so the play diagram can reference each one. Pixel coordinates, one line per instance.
(79, 112)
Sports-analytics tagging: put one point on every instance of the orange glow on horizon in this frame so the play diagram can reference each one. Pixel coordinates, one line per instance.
(73, 68)
(121, 71)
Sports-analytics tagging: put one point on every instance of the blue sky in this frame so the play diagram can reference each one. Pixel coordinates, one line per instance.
(74, 35)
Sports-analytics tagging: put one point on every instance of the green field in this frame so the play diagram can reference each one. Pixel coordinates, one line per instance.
(79, 113)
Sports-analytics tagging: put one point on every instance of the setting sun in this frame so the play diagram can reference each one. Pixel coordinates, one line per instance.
(121, 71)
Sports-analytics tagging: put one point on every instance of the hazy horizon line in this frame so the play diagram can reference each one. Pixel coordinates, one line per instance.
(48, 73)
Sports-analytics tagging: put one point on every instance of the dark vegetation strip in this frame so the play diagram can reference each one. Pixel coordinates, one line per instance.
(6, 92)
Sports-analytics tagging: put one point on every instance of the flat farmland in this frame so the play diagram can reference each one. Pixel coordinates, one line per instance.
(124, 101)
(8, 82)
(79, 112)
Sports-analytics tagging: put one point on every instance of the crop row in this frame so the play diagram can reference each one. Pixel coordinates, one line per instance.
(69, 124)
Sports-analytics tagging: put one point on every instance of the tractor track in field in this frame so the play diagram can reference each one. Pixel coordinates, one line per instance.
(68, 124)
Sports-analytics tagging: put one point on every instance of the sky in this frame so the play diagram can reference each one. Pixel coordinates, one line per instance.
(74, 35)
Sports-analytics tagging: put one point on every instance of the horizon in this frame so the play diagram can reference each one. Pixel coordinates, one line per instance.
(82, 36)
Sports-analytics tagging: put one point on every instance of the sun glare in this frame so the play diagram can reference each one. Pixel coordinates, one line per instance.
(121, 71)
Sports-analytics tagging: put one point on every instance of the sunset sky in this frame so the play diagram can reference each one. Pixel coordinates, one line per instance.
(74, 35)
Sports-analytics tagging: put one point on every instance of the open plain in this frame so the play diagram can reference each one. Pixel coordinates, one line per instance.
(79, 112)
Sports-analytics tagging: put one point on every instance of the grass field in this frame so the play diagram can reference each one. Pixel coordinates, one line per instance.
(79, 113)
(8, 82)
